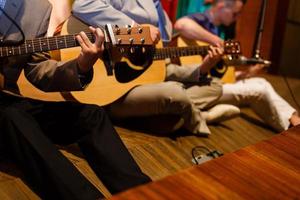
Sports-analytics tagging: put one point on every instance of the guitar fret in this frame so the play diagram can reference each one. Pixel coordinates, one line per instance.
(174, 53)
(19, 48)
(74, 41)
(28, 46)
(60, 42)
(71, 41)
(65, 40)
(9, 51)
(56, 43)
(32, 44)
(45, 45)
(166, 53)
(23, 49)
(25, 45)
(41, 45)
(171, 52)
(47, 42)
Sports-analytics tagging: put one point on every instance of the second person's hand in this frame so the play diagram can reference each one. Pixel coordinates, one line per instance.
(211, 59)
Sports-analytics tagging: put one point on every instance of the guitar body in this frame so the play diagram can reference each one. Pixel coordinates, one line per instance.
(226, 72)
(105, 88)
(28, 90)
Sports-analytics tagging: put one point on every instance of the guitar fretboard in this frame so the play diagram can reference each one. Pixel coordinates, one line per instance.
(42, 44)
(175, 52)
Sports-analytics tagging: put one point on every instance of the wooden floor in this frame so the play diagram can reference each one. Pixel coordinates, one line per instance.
(160, 156)
(269, 169)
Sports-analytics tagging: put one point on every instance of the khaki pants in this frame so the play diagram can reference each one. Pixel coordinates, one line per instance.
(155, 101)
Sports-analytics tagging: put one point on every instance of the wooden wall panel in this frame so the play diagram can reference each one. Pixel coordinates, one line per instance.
(247, 27)
(275, 21)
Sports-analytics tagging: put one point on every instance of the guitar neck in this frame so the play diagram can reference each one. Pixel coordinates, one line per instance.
(175, 52)
(42, 44)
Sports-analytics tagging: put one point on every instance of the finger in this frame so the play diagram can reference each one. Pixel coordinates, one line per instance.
(220, 51)
(213, 50)
(92, 29)
(155, 34)
(85, 39)
(210, 54)
(99, 36)
(81, 42)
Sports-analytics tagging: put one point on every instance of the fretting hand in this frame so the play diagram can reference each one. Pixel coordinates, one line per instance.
(214, 55)
(90, 52)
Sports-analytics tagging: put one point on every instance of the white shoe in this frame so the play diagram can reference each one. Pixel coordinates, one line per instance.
(221, 112)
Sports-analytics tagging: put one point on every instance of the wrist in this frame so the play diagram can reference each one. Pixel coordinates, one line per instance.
(84, 76)
(84, 65)
(203, 69)
(202, 73)
(82, 72)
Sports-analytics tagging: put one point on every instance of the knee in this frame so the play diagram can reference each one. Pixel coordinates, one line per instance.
(255, 88)
(264, 85)
(8, 114)
(9, 118)
(175, 97)
(92, 114)
(208, 95)
(259, 92)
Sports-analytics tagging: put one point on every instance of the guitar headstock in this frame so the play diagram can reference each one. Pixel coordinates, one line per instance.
(232, 47)
(129, 36)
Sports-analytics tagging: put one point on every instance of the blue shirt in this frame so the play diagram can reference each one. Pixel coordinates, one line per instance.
(204, 20)
(2, 4)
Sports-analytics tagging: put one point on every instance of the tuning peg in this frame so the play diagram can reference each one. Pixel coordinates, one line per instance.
(132, 50)
(119, 40)
(140, 29)
(129, 29)
(121, 50)
(143, 40)
(131, 40)
(118, 30)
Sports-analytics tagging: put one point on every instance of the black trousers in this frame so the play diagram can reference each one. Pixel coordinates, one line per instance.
(29, 130)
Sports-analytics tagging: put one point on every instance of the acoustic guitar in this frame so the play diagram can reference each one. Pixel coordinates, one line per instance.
(120, 40)
(122, 73)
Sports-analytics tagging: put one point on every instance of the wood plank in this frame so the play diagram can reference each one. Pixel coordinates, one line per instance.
(254, 172)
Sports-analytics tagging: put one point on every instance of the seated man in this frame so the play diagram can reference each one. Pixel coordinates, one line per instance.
(254, 92)
(30, 129)
(183, 93)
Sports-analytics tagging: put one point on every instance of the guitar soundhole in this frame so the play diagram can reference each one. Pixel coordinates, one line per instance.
(125, 74)
(219, 70)
(139, 56)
